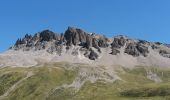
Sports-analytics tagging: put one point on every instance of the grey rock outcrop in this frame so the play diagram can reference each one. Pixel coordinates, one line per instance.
(88, 41)
(95, 44)
(137, 49)
(90, 45)
(117, 43)
(39, 41)
(132, 50)
(142, 49)
(102, 42)
(75, 36)
(47, 35)
(54, 43)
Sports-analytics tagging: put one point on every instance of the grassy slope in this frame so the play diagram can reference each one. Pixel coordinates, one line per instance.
(41, 86)
(9, 78)
(133, 87)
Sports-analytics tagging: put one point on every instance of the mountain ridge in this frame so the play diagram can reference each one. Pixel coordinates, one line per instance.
(76, 36)
(78, 46)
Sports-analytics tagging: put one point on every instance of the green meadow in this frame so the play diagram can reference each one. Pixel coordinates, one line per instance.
(45, 83)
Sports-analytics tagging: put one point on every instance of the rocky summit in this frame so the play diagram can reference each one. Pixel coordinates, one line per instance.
(78, 46)
(89, 43)
(54, 43)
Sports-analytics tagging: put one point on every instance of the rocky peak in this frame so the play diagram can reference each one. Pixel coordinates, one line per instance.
(89, 44)
(75, 36)
(117, 43)
(27, 36)
(47, 35)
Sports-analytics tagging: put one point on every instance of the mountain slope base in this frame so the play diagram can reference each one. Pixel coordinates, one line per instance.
(55, 82)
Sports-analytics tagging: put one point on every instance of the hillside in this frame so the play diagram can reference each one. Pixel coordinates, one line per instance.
(65, 81)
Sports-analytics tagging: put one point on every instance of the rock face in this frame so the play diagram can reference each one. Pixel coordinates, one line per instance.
(142, 49)
(136, 49)
(102, 42)
(132, 50)
(88, 44)
(117, 43)
(37, 42)
(54, 43)
(75, 36)
(47, 35)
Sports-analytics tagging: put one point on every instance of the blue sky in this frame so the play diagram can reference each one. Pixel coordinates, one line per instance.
(141, 19)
